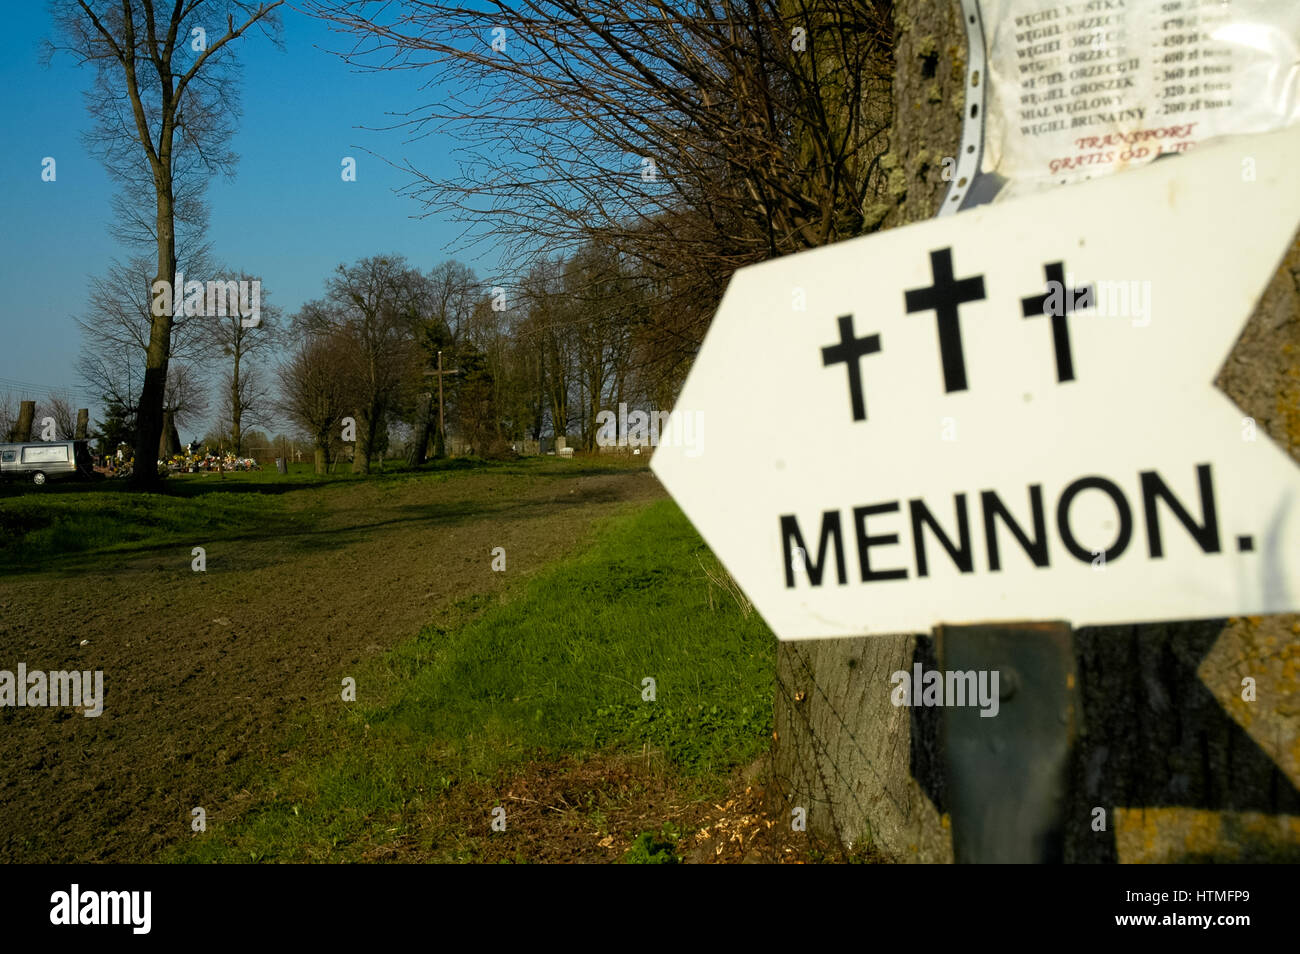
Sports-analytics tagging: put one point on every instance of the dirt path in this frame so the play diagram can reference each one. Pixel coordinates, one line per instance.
(204, 671)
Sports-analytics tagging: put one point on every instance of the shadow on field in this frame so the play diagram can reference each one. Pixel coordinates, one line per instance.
(259, 538)
(435, 516)
(270, 482)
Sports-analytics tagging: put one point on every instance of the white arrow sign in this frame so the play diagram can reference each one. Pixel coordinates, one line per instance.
(1005, 415)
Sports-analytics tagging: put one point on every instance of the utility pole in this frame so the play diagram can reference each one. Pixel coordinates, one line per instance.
(442, 424)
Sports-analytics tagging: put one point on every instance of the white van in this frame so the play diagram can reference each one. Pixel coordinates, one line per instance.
(45, 460)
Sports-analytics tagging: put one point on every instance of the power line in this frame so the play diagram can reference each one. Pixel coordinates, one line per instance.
(48, 390)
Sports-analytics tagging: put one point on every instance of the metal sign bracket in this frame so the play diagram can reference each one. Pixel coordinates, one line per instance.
(1008, 774)
(969, 187)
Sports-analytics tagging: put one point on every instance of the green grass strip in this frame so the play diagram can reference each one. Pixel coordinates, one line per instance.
(558, 666)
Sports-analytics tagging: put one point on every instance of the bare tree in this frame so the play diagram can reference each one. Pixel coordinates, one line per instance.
(8, 414)
(62, 413)
(247, 400)
(181, 100)
(242, 346)
(545, 332)
(373, 307)
(117, 326)
(185, 402)
(313, 392)
(594, 306)
(452, 291)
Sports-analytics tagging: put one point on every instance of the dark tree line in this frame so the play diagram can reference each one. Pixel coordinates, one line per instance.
(538, 358)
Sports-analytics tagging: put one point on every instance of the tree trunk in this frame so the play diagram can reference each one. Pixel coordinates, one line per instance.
(169, 443)
(236, 408)
(365, 441)
(149, 412)
(1183, 768)
(593, 409)
(22, 431)
(420, 440)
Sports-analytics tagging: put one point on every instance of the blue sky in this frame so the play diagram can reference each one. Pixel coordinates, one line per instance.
(287, 215)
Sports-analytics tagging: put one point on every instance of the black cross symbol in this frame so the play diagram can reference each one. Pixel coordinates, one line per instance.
(1037, 305)
(943, 298)
(848, 351)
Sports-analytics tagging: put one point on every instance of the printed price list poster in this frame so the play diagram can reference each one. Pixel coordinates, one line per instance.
(1092, 86)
